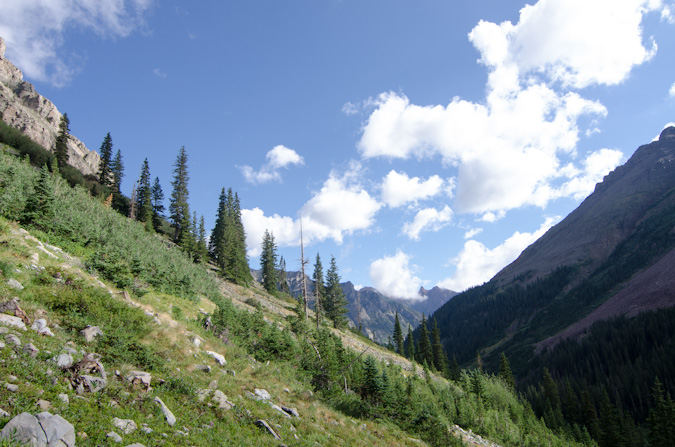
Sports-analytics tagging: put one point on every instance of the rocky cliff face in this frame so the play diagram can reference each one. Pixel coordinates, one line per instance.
(36, 116)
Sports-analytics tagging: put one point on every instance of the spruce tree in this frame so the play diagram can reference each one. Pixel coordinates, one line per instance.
(61, 143)
(157, 204)
(202, 250)
(106, 157)
(238, 259)
(268, 263)
(119, 203)
(144, 210)
(505, 373)
(455, 373)
(178, 206)
(437, 351)
(410, 345)
(319, 288)
(661, 418)
(217, 239)
(398, 335)
(40, 205)
(335, 302)
(283, 277)
(424, 353)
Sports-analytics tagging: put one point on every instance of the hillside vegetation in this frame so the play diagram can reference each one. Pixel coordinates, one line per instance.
(75, 265)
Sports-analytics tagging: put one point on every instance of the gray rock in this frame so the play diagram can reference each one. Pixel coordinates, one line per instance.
(40, 326)
(213, 385)
(3, 413)
(90, 333)
(291, 411)
(30, 349)
(146, 430)
(140, 378)
(12, 339)
(8, 320)
(218, 357)
(280, 410)
(93, 383)
(41, 430)
(44, 404)
(2, 344)
(11, 387)
(14, 284)
(220, 399)
(64, 398)
(135, 444)
(264, 425)
(127, 426)
(63, 360)
(203, 368)
(114, 437)
(262, 394)
(170, 418)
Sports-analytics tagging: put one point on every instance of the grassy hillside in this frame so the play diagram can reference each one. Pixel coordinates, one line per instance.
(75, 264)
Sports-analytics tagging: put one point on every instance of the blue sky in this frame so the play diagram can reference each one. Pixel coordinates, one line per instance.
(421, 143)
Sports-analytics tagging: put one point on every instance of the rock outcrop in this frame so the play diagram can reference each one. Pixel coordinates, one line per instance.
(23, 108)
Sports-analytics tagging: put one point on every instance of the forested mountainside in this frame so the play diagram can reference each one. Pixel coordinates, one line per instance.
(585, 313)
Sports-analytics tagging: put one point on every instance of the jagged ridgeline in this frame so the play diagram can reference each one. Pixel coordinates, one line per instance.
(588, 308)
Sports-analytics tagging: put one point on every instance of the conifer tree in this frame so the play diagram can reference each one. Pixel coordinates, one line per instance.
(202, 250)
(283, 277)
(505, 372)
(217, 239)
(319, 288)
(455, 373)
(187, 239)
(335, 303)
(424, 352)
(372, 381)
(238, 259)
(40, 205)
(410, 345)
(61, 143)
(398, 335)
(157, 204)
(117, 170)
(268, 263)
(144, 196)
(106, 157)
(661, 418)
(178, 207)
(437, 351)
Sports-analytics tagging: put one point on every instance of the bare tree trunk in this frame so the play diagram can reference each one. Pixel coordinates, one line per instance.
(303, 262)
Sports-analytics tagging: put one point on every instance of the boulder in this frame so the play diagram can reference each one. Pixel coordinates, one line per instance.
(8, 320)
(40, 326)
(14, 284)
(140, 378)
(30, 349)
(264, 425)
(170, 418)
(218, 357)
(262, 394)
(114, 437)
(41, 430)
(90, 333)
(12, 339)
(63, 360)
(127, 426)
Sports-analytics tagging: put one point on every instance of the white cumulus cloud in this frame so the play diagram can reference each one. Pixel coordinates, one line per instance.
(477, 263)
(393, 276)
(671, 92)
(277, 158)
(428, 219)
(398, 189)
(33, 31)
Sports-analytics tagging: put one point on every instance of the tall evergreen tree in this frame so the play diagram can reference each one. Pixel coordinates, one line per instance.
(661, 418)
(505, 372)
(217, 239)
(335, 302)
(398, 335)
(283, 277)
(106, 157)
(178, 207)
(157, 204)
(61, 143)
(455, 373)
(144, 196)
(237, 257)
(437, 352)
(410, 345)
(319, 288)
(424, 353)
(40, 205)
(119, 203)
(268, 263)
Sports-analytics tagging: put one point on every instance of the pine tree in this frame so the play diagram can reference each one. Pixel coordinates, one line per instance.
(455, 373)
(610, 423)
(319, 288)
(661, 418)
(335, 302)
(437, 351)
(398, 335)
(61, 143)
(410, 345)
(178, 207)
(217, 239)
(119, 202)
(202, 250)
(283, 277)
(424, 353)
(372, 381)
(106, 157)
(268, 262)
(157, 204)
(39, 208)
(144, 196)
(505, 373)
(238, 262)
(589, 416)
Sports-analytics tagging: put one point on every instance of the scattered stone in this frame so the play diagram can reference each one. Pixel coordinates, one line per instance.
(213, 385)
(218, 357)
(2, 344)
(14, 284)
(231, 372)
(147, 430)
(135, 444)
(3, 413)
(12, 378)
(63, 360)
(93, 384)
(280, 410)
(90, 333)
(291, 411)
(12, 339)
(30, 349)
(220, 399)
(264, 425)
(127, 426)
(203, 368)
(287, 391)
(64, 398)
(44, 404)
(8, 320)
(196, 340)
(40, 326)
(140, 378)
(114, 437)
(11, 387)
(41, 430)
(170, 418)
(262, 394)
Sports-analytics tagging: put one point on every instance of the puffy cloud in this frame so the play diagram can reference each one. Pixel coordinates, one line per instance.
(394, 277)
(472, 232)
(398, 189)
(476, 263)
(428, 219)
(511, 150)
(340, 207)
(33, 31)
(277, 158)
(671, 92)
